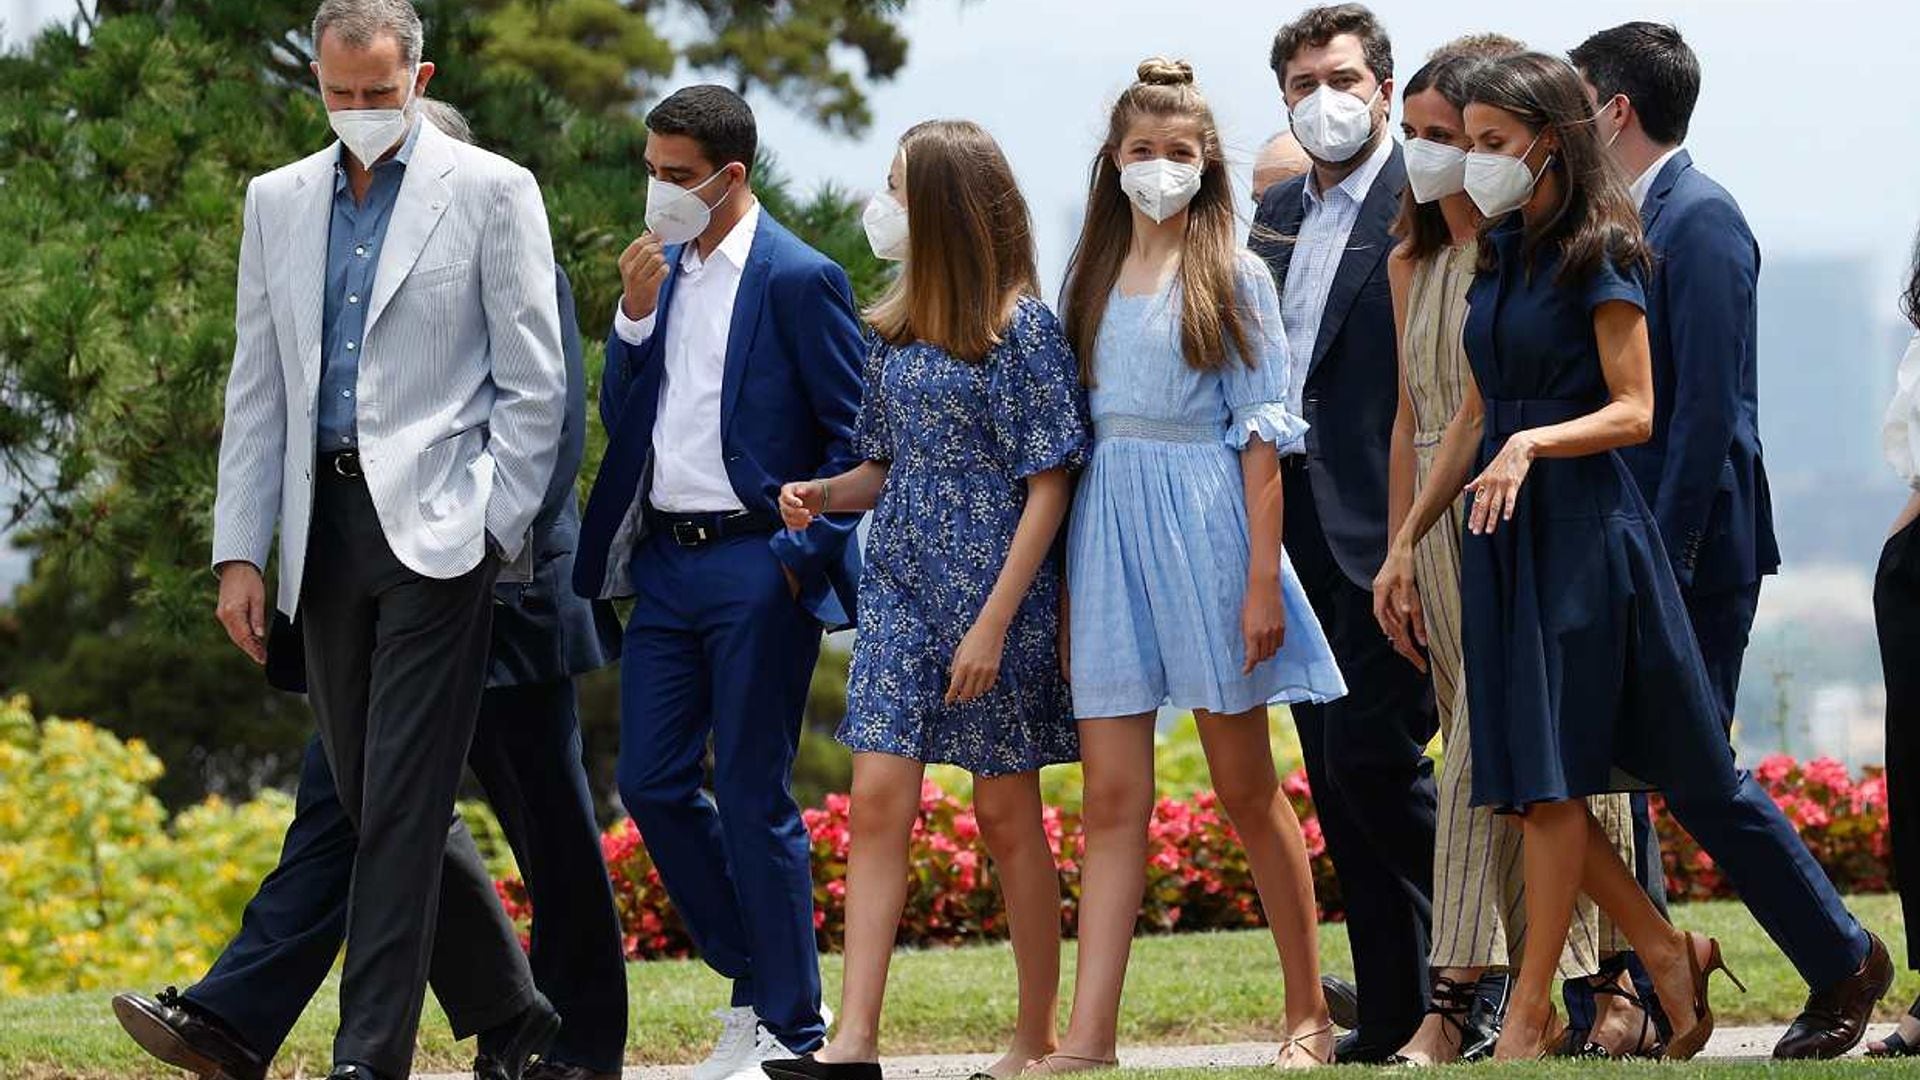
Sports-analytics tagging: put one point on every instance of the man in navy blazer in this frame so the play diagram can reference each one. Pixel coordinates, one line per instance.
(1702, 474)
(527, 755)
(1326, 236)
(733, 366)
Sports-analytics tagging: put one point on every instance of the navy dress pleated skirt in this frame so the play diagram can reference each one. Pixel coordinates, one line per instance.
(1582, 672)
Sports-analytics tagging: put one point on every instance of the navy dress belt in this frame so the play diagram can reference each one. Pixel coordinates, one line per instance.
(1508, 415)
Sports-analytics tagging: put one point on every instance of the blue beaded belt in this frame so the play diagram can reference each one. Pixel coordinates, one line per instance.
(1126, 426)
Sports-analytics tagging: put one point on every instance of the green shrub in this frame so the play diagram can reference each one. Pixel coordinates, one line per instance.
(103, 891)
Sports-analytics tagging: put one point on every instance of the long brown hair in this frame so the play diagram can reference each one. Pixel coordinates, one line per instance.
(1423, 226)
(1210, 315)
(969, 243)
(1595, 219)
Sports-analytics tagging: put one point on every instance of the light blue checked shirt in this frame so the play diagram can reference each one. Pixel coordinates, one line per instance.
(1317, 251)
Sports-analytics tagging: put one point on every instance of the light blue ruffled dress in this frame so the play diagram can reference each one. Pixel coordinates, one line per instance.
(1157, 545)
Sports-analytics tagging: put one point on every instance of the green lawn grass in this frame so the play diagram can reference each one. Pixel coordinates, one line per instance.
(1188, 988)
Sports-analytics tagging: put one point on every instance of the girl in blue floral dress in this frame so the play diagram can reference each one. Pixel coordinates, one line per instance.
(1181, 593)
(972, 418)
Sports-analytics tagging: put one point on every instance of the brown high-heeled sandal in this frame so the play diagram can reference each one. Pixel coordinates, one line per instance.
(1552, 1034)
(1684, 1045)
(1552, 1037)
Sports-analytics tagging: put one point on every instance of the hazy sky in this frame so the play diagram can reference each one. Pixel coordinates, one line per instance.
(1809, 112)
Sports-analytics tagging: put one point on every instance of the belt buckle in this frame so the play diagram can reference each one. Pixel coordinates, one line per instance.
(690, 534)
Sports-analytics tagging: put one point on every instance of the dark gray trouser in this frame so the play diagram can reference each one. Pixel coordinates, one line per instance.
(396, 663)
(527, 757)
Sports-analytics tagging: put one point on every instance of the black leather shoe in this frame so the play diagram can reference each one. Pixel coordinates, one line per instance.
(352, 1072)
(173, 1030)
(557, 1070)
(805, 1067)
(1835, 1018)
(1480, 1031)
(1353, 1048)
(1343, 1001)
(507, 1051)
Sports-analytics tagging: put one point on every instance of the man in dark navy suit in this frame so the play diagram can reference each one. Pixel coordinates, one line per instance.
(526, 754)
(1326, 236)
(1702, 474)
(733, 367)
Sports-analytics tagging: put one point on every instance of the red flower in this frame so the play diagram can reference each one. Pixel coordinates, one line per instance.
(1197, 871)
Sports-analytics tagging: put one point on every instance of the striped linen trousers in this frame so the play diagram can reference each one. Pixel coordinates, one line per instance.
(1479, 901)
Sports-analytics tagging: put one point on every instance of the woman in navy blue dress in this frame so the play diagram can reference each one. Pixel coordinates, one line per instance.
(972, 419)
(1582, 673)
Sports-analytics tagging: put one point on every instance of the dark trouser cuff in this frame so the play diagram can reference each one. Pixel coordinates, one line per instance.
(471, 1018)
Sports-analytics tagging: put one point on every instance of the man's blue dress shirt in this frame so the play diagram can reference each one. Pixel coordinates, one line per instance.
(353, 255)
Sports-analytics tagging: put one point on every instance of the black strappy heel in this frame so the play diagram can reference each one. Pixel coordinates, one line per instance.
(1452, 1002)
(1894, 1045)
(1649, 1025)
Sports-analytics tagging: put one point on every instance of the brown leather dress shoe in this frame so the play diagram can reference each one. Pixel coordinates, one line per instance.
(1835, 1018)
(185, 1037)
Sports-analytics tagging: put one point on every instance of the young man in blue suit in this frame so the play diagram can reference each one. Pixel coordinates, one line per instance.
(1325, 236)
(1702, 475)
(733, 366)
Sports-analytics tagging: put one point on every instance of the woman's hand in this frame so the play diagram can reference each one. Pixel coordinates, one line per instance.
(1263, 622)
(1496, 491)
(1396, 607)
(800, 502)
(976, 663)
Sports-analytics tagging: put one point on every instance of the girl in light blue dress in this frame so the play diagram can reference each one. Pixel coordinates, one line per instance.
(1179, 591)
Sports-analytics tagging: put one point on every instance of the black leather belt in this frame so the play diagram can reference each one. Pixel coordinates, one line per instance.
(693, 530)
(343, 463)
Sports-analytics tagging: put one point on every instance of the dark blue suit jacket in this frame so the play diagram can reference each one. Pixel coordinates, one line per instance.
(1352, 386)
(788, 401)
(542, 630)
(1702, 472)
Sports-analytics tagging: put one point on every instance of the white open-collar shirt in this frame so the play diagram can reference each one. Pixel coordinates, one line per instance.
(689, 466)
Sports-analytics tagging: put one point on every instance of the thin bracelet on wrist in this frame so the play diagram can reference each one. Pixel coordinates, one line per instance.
(826, 495)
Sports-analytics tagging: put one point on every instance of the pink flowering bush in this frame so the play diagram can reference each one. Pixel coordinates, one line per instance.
(1841, 819)
(1197, 874)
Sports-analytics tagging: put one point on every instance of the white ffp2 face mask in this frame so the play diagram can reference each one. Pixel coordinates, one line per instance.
(1499, 184)
(1435, 170)
(676, 214)
(1160, 188)
(369, 133)
(886, 223)
(1333, 125)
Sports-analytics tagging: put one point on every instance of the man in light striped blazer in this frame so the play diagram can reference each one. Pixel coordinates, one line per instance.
(395, 408)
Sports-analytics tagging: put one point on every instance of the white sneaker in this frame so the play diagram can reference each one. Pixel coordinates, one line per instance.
(765, 1048)
(738, 1049)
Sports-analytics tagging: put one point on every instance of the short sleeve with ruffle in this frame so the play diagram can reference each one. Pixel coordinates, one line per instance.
(1256, 392)
(1040, 418)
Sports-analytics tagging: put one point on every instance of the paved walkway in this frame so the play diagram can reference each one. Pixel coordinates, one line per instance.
(1739, 1043)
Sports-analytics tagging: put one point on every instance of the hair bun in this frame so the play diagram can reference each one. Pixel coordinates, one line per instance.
(1160, 71)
